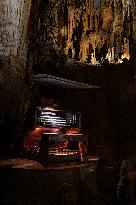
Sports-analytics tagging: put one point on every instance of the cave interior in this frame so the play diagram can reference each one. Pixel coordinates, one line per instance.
(75, 56)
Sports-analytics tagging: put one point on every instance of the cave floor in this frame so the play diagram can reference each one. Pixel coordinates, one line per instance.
(26, 182)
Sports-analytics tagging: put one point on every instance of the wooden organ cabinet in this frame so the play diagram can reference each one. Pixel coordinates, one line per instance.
(59, 137)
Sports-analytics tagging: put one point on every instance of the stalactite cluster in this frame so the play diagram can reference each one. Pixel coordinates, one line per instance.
(89, 30)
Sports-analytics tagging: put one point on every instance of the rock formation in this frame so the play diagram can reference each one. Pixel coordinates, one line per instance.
(89, 30)
(14, 70)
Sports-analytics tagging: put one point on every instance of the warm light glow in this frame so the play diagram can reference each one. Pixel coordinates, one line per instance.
(101, 27)
(48, 108)
(69, 152)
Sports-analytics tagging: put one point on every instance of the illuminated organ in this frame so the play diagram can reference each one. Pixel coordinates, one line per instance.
(57, 137)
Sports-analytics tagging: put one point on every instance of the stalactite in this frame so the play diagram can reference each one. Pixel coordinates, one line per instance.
(104, 19)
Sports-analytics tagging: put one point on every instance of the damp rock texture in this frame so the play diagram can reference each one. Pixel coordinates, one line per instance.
(15, 71)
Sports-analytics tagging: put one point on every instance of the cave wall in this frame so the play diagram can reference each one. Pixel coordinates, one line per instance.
(15, 71)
